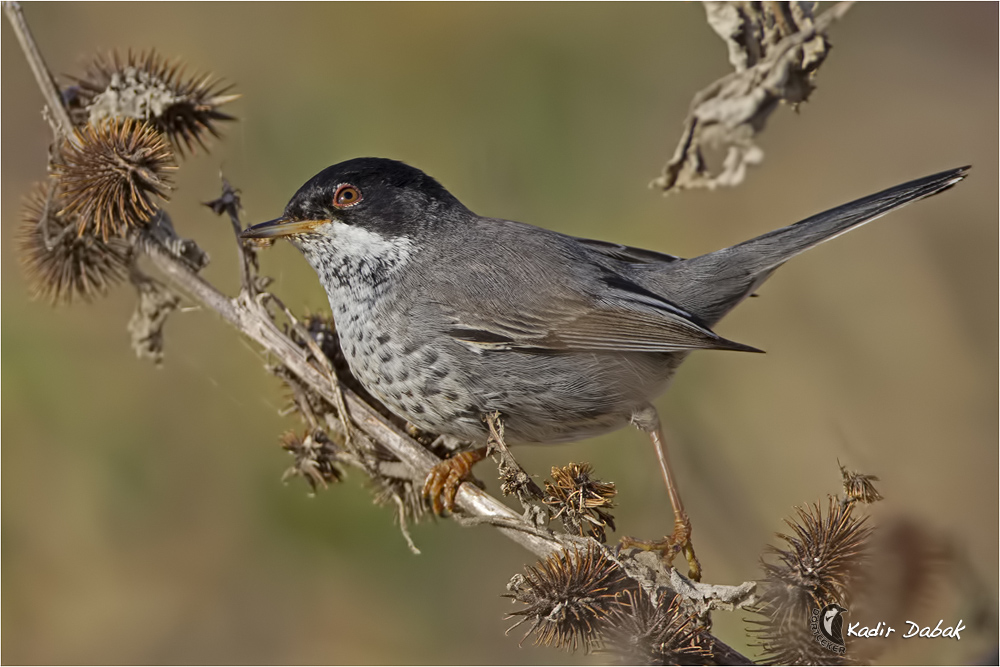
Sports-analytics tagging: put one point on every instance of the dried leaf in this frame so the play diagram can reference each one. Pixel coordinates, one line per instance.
(776, 49)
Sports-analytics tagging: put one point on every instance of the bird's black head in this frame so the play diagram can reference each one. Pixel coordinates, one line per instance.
(385, 197)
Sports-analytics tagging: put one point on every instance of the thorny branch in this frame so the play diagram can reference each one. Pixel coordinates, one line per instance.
(248, 316)
(253, 320)
(229, 203)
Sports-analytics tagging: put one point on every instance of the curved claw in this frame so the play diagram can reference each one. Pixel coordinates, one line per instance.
(443, 480)
(677, 542)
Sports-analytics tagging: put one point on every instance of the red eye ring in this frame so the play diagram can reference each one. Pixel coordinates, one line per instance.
(346, 196)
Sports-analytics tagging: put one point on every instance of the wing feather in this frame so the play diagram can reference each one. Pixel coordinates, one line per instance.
(626, 322)
(587, 296)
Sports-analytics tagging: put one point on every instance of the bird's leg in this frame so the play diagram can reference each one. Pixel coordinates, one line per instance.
(444, 479)
(680, 540)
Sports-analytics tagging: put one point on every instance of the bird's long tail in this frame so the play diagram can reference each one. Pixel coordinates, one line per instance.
(728, 276)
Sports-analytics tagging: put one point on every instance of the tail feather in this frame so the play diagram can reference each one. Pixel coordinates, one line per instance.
(731, 274)
(770, 250)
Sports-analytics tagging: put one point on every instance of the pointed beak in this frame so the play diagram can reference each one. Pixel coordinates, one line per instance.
(280, 227)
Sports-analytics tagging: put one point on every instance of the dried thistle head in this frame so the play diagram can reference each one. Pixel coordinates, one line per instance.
(111, 175)
(823, 552)
(859, 487)
(60, 264)
(566, 596)
(407, 497)
(315, 458)
(639, 631)
(580, 500)
(819, 565)
(148, 87)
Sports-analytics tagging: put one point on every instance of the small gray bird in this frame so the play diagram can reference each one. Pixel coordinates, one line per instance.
(447, 316)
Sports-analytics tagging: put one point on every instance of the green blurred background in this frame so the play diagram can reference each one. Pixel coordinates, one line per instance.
(143, 516)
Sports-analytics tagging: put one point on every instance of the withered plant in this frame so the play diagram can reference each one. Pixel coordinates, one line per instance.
(112, 174)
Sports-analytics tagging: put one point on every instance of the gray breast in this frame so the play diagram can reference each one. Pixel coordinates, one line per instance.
(441, 385)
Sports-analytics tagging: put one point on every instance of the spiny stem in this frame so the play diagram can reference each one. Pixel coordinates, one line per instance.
(62, 126)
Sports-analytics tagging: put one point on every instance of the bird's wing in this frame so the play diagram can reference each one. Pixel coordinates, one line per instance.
(534, 289)
(622, 316)
(625, 253)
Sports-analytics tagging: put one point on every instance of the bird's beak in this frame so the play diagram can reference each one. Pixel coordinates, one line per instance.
(280, 227)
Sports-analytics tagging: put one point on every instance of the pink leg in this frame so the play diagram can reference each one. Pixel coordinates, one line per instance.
(649, 421)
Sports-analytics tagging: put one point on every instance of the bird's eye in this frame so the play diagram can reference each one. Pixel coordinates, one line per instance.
(346, 195)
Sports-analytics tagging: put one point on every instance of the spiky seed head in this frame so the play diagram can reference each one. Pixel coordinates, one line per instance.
(112, 174)
(566, 596)
(641, 631)
(147, 87)
(580, 500)
(407, 497)
(315, 458)
(818, 565)
(59, 263)
(824, 550)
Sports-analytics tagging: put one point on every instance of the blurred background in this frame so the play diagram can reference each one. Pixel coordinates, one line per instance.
(144, 520)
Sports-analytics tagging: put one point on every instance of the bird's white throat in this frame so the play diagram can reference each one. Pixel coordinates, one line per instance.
(364, 244)
(352, 261)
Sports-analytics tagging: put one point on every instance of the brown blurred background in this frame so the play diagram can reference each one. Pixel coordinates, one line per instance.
(143, 516)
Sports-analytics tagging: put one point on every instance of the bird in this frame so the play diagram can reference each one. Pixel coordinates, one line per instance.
(447, 316)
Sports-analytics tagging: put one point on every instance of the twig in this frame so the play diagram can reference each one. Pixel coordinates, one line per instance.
(229, 203)
(513, 478)
(62, 126)
(321, 359)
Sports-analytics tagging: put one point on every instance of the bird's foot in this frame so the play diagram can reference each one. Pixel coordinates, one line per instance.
(443, 480)
(677, 542)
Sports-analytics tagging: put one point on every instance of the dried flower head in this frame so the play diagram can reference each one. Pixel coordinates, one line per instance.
(111, 174)
(640, 632)
(566, 596)
(315, 458)
(408, 499)
(148, 87)
(823, 551)
(59, 263)
(581, 501)
(514, 480)
(818, 566)
(859, 487)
